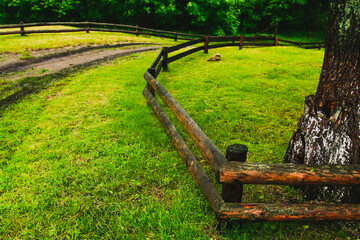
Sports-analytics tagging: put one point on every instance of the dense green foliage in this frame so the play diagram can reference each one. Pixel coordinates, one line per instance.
(200, 16)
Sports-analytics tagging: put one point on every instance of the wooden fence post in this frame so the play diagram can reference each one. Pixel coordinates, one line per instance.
(276, 30)
(176, 37)
(165, 59)
(276, 41)
(87, 27)
(22, 30)
(233, 192)
(152, 71)
(241, 42)
(300, 44)
(206, 44)
(137, 30)
(319, 45)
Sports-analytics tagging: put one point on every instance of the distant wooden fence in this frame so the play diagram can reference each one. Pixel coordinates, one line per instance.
(232, 171)
(136, 30)
(99, 27)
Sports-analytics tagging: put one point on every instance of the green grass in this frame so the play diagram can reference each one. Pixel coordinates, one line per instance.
(302, 36)
(18, 44)
(85, 157)
(254, 96)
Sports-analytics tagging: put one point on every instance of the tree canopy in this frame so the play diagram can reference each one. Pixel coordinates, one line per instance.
(201, 16)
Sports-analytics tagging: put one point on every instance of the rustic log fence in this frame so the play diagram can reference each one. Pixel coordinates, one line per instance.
(95, 27)
(136, 30)
(232, 171)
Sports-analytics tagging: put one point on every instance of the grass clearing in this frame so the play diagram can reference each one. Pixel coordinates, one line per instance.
(86, 158)
(19, 44)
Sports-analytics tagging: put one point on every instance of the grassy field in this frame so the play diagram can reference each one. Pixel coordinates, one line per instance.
(86, 158)
(19, 44)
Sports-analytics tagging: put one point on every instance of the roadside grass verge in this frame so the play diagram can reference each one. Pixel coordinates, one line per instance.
(86, 158)
(19, 44)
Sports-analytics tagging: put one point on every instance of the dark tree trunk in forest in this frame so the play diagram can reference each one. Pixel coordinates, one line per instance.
(328, 131)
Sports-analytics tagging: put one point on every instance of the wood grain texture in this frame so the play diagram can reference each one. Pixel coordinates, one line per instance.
(289, 212)
(290, 174)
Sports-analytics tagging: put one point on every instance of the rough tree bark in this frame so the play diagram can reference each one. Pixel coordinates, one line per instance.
(328, 132)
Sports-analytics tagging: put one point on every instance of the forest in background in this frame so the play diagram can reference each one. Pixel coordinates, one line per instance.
(217, 17)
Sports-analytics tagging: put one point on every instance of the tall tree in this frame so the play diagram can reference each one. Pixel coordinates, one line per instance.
(328, 132)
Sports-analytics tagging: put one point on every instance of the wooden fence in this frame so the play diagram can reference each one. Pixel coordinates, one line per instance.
(232, 171)
(136, 30)
(96, 27)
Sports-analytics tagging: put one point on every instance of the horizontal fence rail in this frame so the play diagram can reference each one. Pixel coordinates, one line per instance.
(290, 174)
(137, 30)
(289, 212)
(206, 147)
(106, 27)
(184, 54)
(185, 44)
(191, 163)
(232, 171)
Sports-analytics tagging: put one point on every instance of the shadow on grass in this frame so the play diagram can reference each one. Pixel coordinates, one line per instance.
(23, 65)
(33, 85)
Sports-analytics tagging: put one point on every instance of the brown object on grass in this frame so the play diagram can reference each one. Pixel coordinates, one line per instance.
(214, 58)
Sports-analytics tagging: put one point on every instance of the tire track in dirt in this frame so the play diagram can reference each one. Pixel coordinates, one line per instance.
(36, 80)
(51, 63)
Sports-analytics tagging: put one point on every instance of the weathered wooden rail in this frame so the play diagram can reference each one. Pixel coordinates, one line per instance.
(260, 41)
(232, 171)
(99, 27)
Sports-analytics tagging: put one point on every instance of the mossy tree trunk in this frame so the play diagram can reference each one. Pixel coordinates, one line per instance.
(328, 132)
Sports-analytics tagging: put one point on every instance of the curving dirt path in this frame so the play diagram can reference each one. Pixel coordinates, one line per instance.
(50, 61)
(31, 72)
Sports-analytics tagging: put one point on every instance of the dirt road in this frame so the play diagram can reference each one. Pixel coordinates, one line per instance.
(50, 61)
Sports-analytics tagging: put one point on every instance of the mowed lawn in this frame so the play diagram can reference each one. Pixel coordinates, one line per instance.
(86, 158)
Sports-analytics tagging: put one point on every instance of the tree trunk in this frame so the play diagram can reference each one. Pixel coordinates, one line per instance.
(328, 131)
